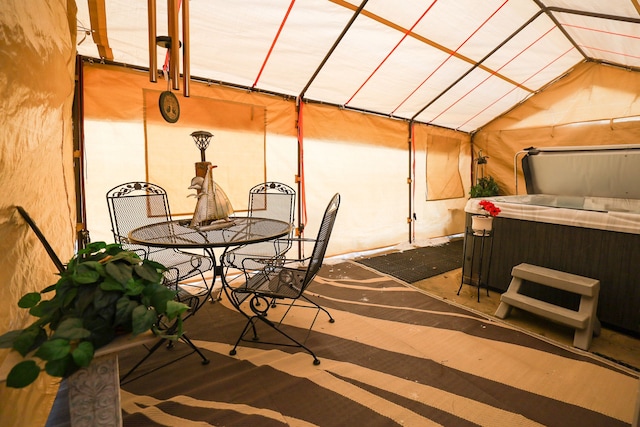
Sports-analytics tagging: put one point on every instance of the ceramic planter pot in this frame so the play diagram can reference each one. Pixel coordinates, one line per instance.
(481, 224)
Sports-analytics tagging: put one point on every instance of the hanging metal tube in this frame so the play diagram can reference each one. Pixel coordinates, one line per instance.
(153, 47)
(174, 59)
(186, 52)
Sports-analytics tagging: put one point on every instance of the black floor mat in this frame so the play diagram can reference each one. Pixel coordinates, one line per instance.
(417, 264)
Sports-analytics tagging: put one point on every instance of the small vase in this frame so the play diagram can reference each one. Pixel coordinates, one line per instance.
(481, 225)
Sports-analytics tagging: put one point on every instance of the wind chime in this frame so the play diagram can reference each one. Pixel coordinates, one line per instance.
(213, 207)
(168, 102)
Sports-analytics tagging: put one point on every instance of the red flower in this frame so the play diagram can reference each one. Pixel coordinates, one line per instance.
(489, 207)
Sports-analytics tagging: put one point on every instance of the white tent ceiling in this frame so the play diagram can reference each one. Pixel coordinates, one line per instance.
(451, 63)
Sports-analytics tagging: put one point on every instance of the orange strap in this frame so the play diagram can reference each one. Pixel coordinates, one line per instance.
(273, 43)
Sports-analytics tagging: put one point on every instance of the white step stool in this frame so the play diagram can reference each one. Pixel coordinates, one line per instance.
(584, 320)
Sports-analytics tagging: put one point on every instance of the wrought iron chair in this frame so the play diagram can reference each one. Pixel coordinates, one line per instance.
(135, 204)
(284, 280)
(273, 200)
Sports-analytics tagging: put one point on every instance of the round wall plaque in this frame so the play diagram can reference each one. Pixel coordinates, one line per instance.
(169, 106)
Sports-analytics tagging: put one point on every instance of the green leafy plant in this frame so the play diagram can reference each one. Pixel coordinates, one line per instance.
(105, 291)
(485, 187)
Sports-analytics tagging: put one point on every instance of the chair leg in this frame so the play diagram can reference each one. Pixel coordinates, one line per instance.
(316, 361)
(141, 361)
(331, 319)
(157, 345)
(244, 331)
(188, 341)
(233, 352)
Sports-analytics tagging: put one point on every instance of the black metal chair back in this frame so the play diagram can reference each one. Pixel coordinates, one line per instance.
(136, 204)
(322, 240)
(283, 280)
(273, 200)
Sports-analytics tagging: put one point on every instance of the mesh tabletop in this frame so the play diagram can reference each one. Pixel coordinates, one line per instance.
(179, 234)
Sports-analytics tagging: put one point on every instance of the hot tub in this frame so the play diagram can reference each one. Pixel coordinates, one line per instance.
(589, 235)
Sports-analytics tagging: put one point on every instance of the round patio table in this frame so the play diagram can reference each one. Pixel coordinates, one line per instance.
(237, 232)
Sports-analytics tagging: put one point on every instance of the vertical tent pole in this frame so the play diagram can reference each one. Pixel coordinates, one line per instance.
(82, 234)
(411, 180)
(302, 199)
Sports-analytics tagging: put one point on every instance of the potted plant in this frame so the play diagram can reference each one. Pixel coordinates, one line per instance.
(105, 291)
(483, 223)
(484, 187)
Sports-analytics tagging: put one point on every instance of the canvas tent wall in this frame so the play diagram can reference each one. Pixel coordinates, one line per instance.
(595, 104)
(37, 62)
(364, 157)
(455, 64)
(36, 73)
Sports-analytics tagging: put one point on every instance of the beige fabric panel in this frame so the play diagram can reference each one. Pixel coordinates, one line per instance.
(443, 217)
(117, 140)
(593, 105)
(366, 159)
(362, 156)
(115, 93)
(333, 124)
(36, 172)
(443, 176)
